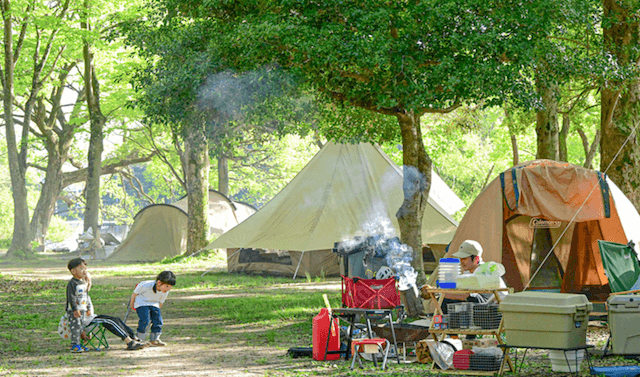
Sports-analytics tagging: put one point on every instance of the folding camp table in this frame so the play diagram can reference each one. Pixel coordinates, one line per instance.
(351, 315)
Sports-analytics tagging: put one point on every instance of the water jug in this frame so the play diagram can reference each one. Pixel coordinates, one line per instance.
(319, 332)
(448, 272)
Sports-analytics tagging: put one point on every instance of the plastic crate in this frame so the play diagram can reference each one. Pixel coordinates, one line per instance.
(370, 293)
(462, 359)
(487, 363)
(486, 316)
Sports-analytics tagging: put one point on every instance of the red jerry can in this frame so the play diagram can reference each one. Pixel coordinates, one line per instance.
(320, 330)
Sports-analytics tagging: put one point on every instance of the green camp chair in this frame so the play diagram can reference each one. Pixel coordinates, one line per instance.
(97, 339)
(621, 265)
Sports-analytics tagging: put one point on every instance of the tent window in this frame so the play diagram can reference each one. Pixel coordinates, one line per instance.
(264, 256)
(550, 275)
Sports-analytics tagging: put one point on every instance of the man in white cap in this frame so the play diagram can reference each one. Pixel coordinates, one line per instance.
(470, 255)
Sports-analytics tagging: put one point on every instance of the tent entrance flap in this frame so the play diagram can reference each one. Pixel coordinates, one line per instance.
(550, 275)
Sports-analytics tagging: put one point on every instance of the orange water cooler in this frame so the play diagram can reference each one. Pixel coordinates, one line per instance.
(320, 329)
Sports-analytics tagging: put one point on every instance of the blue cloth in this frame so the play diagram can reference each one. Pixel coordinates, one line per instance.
(146, 313)
(617, 371)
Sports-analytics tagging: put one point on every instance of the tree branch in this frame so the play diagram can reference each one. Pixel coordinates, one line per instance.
(80, 175)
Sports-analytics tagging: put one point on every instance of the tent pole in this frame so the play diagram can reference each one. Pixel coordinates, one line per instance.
(299, 261)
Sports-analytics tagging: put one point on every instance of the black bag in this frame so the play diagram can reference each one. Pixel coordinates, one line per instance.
(296, 352)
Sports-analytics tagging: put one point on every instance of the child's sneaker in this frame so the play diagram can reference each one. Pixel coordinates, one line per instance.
(76, 348)
(134, 345)
(157, 343)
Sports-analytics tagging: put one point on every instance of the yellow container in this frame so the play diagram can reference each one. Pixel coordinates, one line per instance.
(546, 320)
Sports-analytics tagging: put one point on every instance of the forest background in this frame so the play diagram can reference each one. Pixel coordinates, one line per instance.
(110, 106)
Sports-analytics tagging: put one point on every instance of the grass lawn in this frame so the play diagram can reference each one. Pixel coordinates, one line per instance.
(218, 324)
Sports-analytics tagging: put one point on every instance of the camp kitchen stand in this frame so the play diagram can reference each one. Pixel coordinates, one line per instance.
(438, 296)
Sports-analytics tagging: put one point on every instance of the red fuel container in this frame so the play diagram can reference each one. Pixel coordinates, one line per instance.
(319, 332)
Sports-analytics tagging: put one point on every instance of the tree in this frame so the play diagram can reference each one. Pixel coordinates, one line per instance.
(398, 59)
(620, 99)
(565, 57)
(213, 112)
(33, 21)
(97, 121)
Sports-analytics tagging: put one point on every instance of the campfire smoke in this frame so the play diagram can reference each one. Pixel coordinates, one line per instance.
(379, 238)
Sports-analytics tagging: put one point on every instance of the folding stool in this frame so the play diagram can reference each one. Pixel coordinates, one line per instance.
(370, 346)
(97, 338)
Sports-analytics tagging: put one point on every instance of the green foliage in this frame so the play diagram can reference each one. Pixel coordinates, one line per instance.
(258, 174)
(59, 230)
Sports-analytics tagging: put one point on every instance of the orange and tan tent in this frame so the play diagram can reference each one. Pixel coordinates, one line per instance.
(547, 206)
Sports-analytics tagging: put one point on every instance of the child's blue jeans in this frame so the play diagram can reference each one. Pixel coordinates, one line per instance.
(146, 313)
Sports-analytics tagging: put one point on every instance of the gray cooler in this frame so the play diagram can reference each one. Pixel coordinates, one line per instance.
(546, 320)
(624, 323)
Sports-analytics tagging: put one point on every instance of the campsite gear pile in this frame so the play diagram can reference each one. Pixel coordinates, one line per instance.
(522, 213)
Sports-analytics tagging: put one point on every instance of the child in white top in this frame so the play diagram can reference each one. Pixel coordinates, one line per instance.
(147, 300)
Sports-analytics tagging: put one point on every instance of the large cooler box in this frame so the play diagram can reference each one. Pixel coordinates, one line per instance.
(624, 323)
(546, 320)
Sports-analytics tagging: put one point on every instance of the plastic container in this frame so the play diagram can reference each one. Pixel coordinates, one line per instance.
(319, 333)
(448, 272)
(619, 371)
(624, 312)
(462, 359)
(566, 361)
(546, 320)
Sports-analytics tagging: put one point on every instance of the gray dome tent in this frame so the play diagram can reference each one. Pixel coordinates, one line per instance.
(160, 230)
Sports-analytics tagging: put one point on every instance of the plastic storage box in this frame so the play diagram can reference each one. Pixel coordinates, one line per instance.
(624, 323)
(546, 320)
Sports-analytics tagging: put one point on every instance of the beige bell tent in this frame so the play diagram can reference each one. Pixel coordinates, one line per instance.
(160, 230)
(527, 210)
(335, 197)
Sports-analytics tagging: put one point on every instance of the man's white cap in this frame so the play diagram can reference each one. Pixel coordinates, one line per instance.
(468, 248)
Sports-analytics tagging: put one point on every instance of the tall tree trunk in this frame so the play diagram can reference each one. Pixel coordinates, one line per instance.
(514, 149)
(417, 167)
(563, 155)
(48, 195)
(547, 120)
(620, 102)
(57, 142)
(197, 178)
(97, 122)
(17, 168)
(223, 175)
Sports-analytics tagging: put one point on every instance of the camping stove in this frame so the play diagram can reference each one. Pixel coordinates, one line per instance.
(363, 256)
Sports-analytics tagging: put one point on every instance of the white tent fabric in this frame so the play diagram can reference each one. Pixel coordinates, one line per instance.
(341, 190)
(224, 213)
